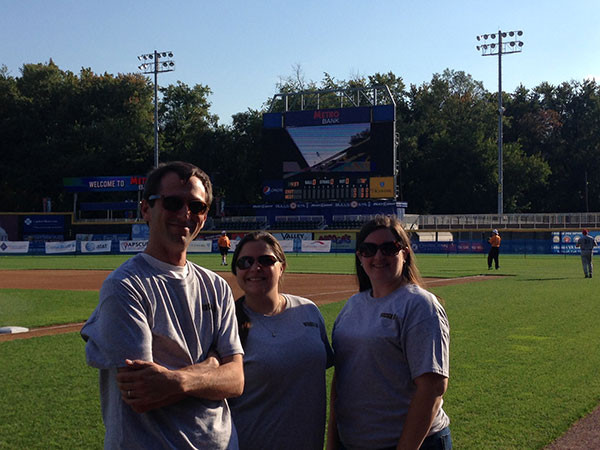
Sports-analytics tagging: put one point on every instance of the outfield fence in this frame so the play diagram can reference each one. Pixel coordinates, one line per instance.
(513, 242)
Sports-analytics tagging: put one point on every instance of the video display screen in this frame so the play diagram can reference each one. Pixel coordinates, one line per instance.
(333, 148)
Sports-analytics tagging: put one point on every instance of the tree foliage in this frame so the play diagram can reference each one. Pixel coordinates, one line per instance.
(57, 124)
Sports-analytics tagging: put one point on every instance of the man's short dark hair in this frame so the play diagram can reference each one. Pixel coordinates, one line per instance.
(184, 170)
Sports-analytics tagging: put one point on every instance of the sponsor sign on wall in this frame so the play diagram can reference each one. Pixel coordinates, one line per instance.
(200, 247)
(43, 224)
(566, 241)
(316, 246)
(339, 241)
(382, 187)
(14, 246)
(61, 247)
(132, 246)
(299, 236)
(95, 246)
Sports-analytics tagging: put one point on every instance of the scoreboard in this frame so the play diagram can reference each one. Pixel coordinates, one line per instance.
(340, 154)
(339, 188)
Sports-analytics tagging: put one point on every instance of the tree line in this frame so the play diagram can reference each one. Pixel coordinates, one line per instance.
(56, 124)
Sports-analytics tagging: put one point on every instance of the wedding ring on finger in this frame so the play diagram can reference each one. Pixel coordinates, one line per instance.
(128, 394)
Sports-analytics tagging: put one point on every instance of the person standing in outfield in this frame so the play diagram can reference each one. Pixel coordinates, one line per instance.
(224, 245)
(164, 334)
(286, 353)
(494, 253)
(586, 243)
(391, 344)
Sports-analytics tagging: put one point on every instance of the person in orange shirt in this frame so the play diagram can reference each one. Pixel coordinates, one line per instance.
(494, 241)
(224, 245)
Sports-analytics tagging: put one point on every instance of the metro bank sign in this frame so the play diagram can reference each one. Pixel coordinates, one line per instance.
(327, 116)
(104, 184)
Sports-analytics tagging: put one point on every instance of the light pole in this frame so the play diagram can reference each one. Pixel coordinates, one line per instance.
(152, 63)
(493, 44)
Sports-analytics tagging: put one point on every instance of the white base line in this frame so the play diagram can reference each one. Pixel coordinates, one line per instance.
(353, 291)
(441, 280)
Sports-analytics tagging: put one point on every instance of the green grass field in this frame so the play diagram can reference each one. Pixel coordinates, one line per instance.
(524, 351)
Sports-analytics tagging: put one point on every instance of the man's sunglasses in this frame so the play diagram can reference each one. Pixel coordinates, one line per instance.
(174, 203)
(245, 262)
(368, 249)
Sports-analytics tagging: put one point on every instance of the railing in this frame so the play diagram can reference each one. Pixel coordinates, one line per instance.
(509, 221)
(550, 221)
(300, 222)
(252, 219)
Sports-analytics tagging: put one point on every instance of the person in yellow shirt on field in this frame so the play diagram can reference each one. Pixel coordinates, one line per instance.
(224, 245)
(494, 241)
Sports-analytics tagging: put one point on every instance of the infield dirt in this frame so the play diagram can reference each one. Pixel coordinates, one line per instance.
(320, 288)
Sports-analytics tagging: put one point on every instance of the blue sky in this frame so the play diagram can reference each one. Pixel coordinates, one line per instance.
(240, 49)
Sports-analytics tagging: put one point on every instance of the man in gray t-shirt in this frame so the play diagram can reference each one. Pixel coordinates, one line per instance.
(164, 334)
(586, 243)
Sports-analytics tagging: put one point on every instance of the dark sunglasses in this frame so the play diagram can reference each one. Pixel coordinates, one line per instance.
(367, 249)
(245, 262)
(174, 203)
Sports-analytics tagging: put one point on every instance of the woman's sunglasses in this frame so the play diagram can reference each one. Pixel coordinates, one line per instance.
(245, 262)
(174, 203)
(368, 249)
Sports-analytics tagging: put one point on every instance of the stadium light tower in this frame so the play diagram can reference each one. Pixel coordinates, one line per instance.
(501, 43)
(156, 63)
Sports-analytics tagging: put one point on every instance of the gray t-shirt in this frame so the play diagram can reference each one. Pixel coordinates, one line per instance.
(283, 404)
(586, 244)
(173, 319)
(381, 345)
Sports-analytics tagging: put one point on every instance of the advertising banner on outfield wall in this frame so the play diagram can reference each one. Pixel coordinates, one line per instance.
(339, 241)
(566, 241)
(61, 247)
(132, 246)
(316, 246)
(200, 246)
(14, 246)
(43, 224)
(299, 236)
(95, 246)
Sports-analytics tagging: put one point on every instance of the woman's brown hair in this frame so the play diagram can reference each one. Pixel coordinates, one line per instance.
(410, 272)
(244, 323)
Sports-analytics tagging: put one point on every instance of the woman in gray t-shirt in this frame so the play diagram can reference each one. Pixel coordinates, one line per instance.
(286, 353)
(391, 344)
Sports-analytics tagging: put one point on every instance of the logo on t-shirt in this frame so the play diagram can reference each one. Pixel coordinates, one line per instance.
(311, 324)
(206, 306)
(389, 316)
